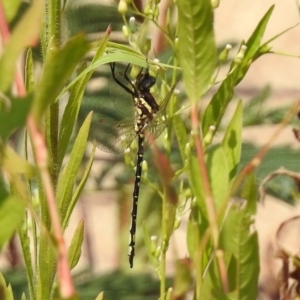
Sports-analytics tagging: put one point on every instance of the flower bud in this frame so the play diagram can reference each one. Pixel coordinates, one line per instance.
(157, 252)
(214, 3)
(132, 24)
(144, 166)
(240, 56)
(122, 7)
(207, 140)
(169, 294)
(224, 54)
(125, 31)
(153, 240)
(177, 223)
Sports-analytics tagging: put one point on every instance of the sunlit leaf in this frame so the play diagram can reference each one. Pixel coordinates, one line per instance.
(239, 238)
(55, 76)
(14, 116)
(217, 165)
(10, 8)
(232, 141)
(11, 216)
(74, 251)
(19, 40)
(196, 45)
(15, 164)
(68, 175)
(71, 111)
(216, 108)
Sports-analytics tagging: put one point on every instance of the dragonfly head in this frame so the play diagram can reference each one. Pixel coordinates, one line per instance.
(145, 82)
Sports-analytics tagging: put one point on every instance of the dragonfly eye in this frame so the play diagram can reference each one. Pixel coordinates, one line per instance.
(146, 83)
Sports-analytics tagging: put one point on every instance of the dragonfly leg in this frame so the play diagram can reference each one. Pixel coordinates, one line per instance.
(126, 88)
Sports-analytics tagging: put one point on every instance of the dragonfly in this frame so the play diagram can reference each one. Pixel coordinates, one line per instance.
(116, 136)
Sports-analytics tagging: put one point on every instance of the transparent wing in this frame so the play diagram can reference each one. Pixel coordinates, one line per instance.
(112, 136)
(158, 124)
(165, 101)
(156, 127)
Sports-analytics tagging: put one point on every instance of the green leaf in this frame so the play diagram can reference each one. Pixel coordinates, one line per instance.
(74, 251)
(239, 238)
(29, 72)
(193, 233)
(217, 166)
(71, 112)
(27, 252)
(19, 40)
(79, 188)
(16, 165)
(10, 8)
(215, 110)
(134, 59)
(23, 296)
(253, 45)
(46, 267)
(196, 45)
(67, 178)
(70, 117)
(14, 116)
(5, 291)
(100, 296)
(11, 215)
(232, 141)
(181, 135)
(195, 179)
(58, 68)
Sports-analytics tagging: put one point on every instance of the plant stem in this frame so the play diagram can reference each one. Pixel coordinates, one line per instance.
(163, 248)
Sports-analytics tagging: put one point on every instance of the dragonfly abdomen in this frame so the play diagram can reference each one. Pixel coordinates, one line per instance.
(136, 191)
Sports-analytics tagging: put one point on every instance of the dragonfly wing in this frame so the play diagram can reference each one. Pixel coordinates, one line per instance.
(156, 127)
(165, 101)
(112, 136)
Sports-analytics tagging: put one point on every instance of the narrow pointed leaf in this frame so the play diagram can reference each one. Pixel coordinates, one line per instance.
(79, 188)
(55, 76)
(67, 178)
(29, 72)
(253, 45)
(11, 215)
(26, 251)
(196, 184)
(100, 296)
(16, 165)
(74, 251)
(215, 110)
(71, 111)
(181, 135)
(10, 8)
(19, 40)
(5, 290)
